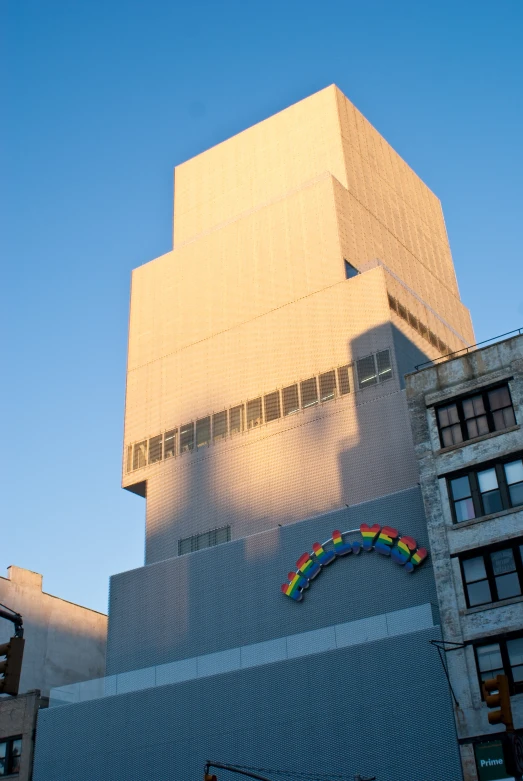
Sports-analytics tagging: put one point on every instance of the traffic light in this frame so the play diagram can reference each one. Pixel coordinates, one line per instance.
(11, 668)
(208, 777)
(497, 695)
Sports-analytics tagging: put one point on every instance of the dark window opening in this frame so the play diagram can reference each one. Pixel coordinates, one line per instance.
(494, 573)
(291, 402)
(433, 339)
(236, 419)
(309, 392)
(501, 408)
(350, 270)
(502, 657)
(384, 365)
(140, 454)
(343, 380)
(186, 437)
(10, 756)
(413, 321)
(155, 449)
(272, 406)
(393, 304)
(203, 432)
(169, 443)
(473, 416)
(254, 413)
(219, 425)
(367, 374)
(327, 385)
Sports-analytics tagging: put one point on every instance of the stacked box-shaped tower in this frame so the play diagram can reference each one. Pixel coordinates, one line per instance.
(265, 411)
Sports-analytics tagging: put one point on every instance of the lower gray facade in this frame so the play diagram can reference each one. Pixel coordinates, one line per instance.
(372, 700)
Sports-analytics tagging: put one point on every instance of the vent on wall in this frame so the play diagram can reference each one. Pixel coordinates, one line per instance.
(204, 540)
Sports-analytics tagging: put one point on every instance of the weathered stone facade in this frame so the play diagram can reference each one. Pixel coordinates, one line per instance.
(456, 379)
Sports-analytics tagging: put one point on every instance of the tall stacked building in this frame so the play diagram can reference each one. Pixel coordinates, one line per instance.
(266, 427)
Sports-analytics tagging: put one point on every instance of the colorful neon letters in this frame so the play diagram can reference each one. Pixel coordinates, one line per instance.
(386, 540)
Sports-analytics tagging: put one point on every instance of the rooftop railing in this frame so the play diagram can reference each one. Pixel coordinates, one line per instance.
(465, 350)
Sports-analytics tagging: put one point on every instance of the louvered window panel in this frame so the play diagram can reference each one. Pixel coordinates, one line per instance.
(223, 535)
(254, 413)
(219, 425)
(413, 321)
(204, 540)
(343, 380)
(366, 371)
(185, 546)
(309, 392)
(129, 465)
(155, 449)
(236, 419)
(384, 365)
(203, 432)
(327, 385)
(169, 443)
(272, 406)
(186, 437)
(140, 454)
(291, 402)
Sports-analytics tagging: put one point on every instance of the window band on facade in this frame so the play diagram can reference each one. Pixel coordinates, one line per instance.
(272, 406)
(418, 326)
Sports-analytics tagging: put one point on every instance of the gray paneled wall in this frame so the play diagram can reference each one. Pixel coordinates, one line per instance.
(381, 709)
(229, 596)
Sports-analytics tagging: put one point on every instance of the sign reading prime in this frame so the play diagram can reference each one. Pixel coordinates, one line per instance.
(490, 761)
(385, 540)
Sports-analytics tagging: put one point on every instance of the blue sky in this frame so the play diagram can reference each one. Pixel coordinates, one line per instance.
(100, 101)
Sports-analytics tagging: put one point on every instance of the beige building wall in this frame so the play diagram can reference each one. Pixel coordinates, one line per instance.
(254, 297)
(64, 642)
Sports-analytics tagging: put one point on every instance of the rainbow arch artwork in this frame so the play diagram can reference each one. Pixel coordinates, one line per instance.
(386, 540)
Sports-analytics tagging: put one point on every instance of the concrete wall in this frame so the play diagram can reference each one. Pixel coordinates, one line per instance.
(330, 713)
(64, 642)
(440, 383)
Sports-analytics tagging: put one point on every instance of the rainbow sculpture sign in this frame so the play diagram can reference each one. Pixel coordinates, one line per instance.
(384, 539)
